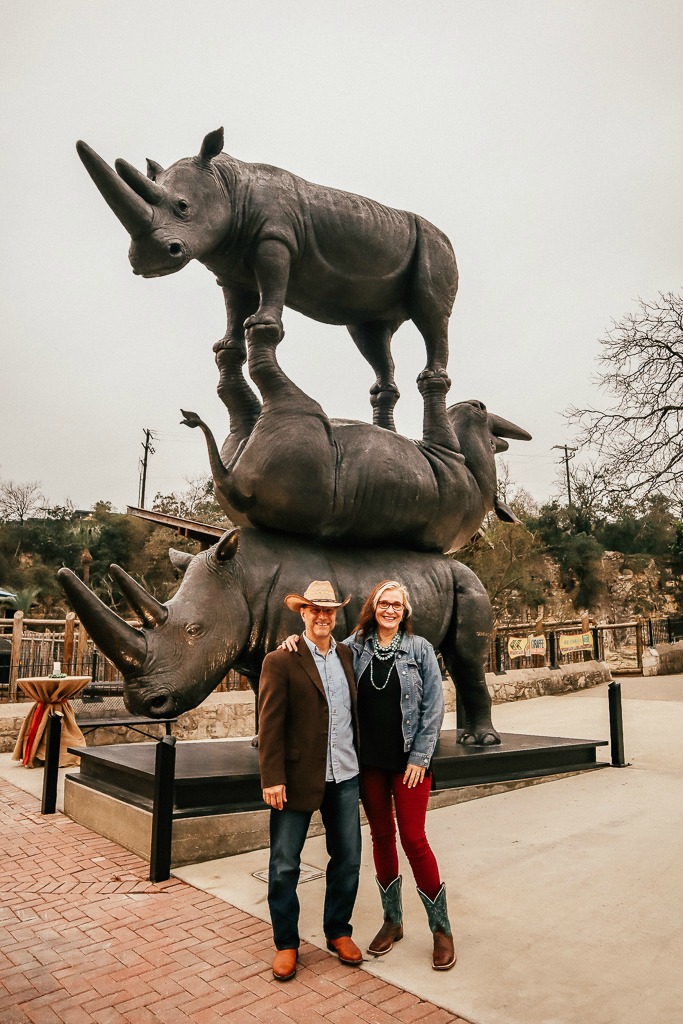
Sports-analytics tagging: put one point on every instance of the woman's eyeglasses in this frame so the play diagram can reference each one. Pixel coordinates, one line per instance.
(395, 606)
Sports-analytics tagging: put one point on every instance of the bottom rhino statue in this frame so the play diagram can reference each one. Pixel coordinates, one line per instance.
(229, 613)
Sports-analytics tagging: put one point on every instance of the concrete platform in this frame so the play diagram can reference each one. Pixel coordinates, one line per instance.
(566, 899)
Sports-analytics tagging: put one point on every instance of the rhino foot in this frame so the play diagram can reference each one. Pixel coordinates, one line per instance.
(484, 737)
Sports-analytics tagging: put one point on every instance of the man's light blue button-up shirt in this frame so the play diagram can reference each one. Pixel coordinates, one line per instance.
(342, 760)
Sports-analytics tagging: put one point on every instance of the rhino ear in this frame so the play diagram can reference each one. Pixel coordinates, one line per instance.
(179, 559)
(212, 145)
(153, 169)
(227, 546)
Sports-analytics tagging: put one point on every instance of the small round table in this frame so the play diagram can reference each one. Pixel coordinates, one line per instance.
(51, 695)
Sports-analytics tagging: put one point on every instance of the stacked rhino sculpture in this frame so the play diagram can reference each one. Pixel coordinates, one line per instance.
(312, 498)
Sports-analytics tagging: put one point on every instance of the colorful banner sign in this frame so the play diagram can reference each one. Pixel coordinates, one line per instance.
(526, 646)
(518, 646)
(575, 642)
(537, 645)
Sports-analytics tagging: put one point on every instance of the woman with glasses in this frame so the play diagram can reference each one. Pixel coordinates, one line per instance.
(400, 711)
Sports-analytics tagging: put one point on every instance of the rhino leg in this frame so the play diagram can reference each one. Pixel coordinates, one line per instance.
(373, 341)
(464, 650)
(437, 428)
(271, 261)
(280, 394)
(231, 353)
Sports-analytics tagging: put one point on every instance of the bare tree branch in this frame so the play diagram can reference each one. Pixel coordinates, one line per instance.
(638, 438)
(19, 501)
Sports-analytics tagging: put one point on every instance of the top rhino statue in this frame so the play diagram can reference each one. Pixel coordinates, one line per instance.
(273, 239)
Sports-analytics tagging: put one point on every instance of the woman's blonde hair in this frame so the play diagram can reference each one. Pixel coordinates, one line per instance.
(366, 619)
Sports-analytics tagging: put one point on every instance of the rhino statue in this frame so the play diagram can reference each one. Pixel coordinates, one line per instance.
(273, 239)
(229, 612)
(295, 470)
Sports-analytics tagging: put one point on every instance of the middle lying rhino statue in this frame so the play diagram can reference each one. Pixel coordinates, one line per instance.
(229, 612)
(293, 469)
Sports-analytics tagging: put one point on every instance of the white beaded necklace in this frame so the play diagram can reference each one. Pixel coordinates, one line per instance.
(383, 654)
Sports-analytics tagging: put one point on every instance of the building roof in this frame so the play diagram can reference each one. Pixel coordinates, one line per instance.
(205, 534)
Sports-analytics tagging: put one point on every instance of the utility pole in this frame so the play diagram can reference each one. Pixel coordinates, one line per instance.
(569, 453)
(148, 450)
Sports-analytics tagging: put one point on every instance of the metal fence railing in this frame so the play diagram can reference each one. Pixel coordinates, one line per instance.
(619, 644)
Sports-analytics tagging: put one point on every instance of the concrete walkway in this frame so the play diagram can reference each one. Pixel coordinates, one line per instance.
(565, 899)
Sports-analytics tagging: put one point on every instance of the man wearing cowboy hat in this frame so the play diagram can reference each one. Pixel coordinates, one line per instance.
(308, 758)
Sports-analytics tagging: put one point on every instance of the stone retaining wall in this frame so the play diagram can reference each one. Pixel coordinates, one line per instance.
(222, 715)
(524, 683)
(663, 660)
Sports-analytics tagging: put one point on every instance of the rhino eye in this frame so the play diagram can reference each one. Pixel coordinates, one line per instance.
(193, 629)
(183, 206)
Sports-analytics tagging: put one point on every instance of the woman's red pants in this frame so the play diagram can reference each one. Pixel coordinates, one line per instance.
(377, 787)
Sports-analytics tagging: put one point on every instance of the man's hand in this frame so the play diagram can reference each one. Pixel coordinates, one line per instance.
(275, 797)
(291, 643)
(413, 776)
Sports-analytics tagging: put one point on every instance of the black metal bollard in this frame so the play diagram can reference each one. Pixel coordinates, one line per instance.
(500, 668)
(162, 814)
(616, 726)
(552, 649)
(53, 739)
(650, 634)
(595, 633)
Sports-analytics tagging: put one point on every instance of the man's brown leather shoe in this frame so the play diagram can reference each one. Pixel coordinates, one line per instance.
(284, 964)
(346, 949)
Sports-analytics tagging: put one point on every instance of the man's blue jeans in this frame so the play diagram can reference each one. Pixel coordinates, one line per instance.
(341, 818)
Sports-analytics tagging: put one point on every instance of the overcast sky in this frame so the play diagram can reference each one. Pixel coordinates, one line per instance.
(545, 138)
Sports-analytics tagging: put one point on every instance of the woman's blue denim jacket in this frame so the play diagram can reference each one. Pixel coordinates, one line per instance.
(421, 692)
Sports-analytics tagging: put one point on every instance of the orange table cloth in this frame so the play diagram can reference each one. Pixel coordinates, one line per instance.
(51, 696)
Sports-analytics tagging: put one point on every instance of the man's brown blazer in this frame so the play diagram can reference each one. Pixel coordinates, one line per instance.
(294, 724)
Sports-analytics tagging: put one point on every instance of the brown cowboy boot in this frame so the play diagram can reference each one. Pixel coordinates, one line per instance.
(392, 929)
(444, 956)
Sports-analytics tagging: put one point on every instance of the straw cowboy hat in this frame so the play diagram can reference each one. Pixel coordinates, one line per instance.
(320, 593)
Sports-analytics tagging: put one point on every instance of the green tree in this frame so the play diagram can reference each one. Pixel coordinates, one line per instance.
(511, 564)
(563, 532)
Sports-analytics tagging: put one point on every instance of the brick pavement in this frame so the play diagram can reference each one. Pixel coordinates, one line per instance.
(84, 937)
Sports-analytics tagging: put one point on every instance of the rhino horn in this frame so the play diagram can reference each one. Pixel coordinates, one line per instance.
(131, 209)
(504, 428)
(143, 604)
(142, 185)
(121, 643)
